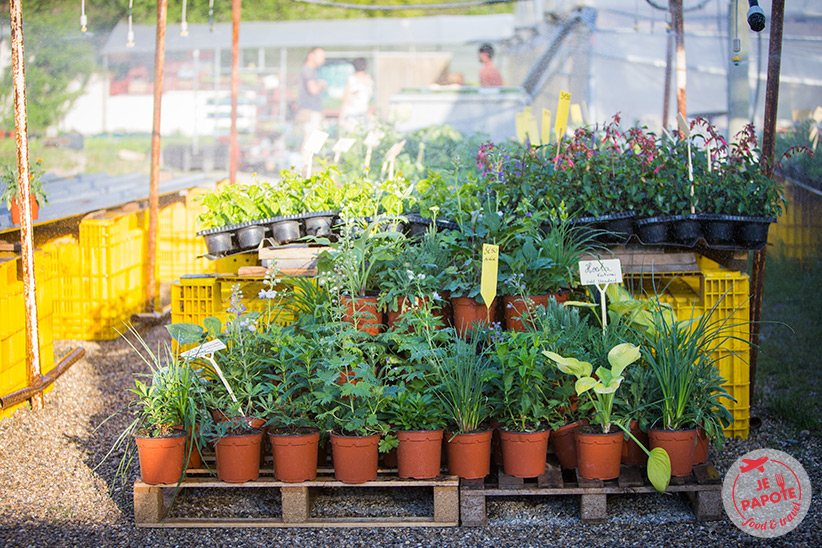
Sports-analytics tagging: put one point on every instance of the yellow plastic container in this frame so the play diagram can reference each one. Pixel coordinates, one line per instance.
(726, 291)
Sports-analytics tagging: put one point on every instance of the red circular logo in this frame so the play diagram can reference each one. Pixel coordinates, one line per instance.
(766, 493)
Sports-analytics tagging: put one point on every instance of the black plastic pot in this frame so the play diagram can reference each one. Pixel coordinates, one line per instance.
(417, 225)
(319, 223)
(653, 230)
(718, 229)
(752, 232)
(618, 227)
(685, 229)
(250, 236)
(285, 231)
(218, 243)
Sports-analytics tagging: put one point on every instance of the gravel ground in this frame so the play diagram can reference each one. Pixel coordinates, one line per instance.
(52, 493)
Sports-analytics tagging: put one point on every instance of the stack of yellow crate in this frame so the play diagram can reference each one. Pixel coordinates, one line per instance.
(178, 246)
(13, 373)
(727, 293)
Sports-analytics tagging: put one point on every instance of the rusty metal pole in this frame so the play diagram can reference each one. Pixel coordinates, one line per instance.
(681, 68)
(767, 165)
(154, 182)
(234, 152)
(669, 59)
(21, 132)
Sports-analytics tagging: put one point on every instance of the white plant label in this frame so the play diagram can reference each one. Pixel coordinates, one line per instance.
(606, 271)
(204, 349)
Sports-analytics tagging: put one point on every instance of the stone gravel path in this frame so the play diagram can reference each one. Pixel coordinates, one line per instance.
(53, 493)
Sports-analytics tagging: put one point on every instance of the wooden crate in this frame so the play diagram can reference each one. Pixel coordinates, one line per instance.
(151, 502)
(703, 488)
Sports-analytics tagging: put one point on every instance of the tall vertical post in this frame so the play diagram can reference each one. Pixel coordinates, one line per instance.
(669, 60)
(154, 182)
(24, 198)
(767, 164)
(234, 151)
(681, 67)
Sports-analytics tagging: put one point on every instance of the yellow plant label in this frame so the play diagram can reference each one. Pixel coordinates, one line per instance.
(576, 115)
(490, 265)
(531, 127)
(520, 122)
(563, 105)
(546, 126)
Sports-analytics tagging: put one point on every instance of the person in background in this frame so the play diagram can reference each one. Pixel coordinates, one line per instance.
(489, 75)
(358, 92)
(310, 112)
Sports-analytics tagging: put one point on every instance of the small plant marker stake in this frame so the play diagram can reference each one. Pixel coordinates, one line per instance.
(561, 123)
(519, 120)
(531, 126)
(488, 281)
(206, 351)
(312, 147)
(686, 131)
(371, 140)
(601, 273)
(546, 126)
(341, 147)
(390, 159)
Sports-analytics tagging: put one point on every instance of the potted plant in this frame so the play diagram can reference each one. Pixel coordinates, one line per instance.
(520, 400)
(712, 415)
(353, 399)
(165, 410)
(599, 452)
(354, 258)
(415, 276)
(677, 353)
(290, 406)
(418, 417)
(461, 371)
(11, 190)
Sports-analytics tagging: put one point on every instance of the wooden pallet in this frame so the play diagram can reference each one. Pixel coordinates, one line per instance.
(151, 509)
(703, 488)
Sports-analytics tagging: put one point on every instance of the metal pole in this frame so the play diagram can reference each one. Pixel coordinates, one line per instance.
(24, 198)
(154, 184)
(766, 163)
(669, 60)
(195, 141)
(681, 68)
(235, 79)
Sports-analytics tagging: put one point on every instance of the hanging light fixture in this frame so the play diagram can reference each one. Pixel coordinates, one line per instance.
(83, 18)
(211, 15)
(184, 23)
(130, 35)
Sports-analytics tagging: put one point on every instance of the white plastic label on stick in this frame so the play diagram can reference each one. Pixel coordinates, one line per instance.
(204, 349)
(394, 151)
(683, 125)
(373, 138)
(315, 141)
(343, 145)
(606, 271)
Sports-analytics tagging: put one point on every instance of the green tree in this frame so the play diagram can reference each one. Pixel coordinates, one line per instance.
(59, 62)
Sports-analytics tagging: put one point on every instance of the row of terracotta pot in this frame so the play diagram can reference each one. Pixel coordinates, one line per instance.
(461, 312)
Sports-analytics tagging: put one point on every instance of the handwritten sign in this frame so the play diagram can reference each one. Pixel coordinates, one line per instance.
(546, 126)
(563, 105)
(490, 265)
(606, 271)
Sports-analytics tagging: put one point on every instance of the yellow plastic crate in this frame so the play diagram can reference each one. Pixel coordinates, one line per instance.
(797, 234)
(693, 294)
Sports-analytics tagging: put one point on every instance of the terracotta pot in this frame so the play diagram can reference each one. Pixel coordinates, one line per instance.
(295, 456)
(355, 457)
(238, 457)
(404, 304)
(599, 455)
(161, 459)
(469, 455)
(468, 311)
(518, 310)
(701, 448)
(524, 453)
(679, 445)
(565, 445)
(632, 454)
(363, 313)
(418, 455)
(16, 210)
(195, 460)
